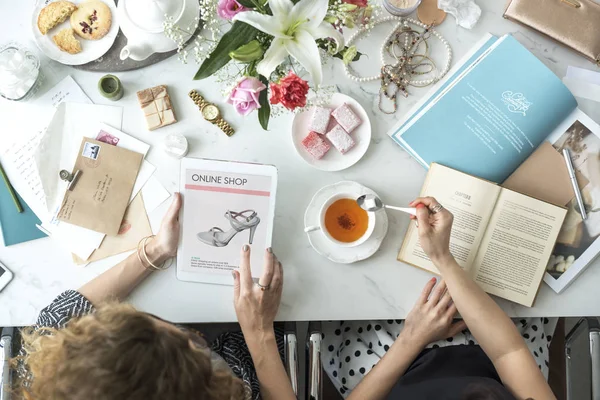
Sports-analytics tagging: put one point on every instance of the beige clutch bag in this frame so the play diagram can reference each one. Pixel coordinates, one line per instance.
(574, 23)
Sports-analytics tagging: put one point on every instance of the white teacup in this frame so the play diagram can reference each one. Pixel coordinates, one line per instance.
(321, 226)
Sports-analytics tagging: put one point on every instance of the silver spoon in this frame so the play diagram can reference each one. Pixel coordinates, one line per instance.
(371, 203)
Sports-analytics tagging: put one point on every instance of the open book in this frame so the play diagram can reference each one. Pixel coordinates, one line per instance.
(502, 238)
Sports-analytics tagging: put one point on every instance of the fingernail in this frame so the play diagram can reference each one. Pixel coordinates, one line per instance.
(233, 274)
(420, 205)
(246, 248)
(270, 250)
(433, 279)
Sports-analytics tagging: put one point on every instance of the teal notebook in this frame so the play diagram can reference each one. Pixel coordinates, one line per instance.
(17, 227)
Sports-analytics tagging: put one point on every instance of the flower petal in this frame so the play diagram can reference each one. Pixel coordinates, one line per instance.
(311, 11)
(326, 30)
(281, 8)
(304, 49)
(265, 23)
(274, 56)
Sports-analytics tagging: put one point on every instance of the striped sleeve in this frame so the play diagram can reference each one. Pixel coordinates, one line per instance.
(69, 304)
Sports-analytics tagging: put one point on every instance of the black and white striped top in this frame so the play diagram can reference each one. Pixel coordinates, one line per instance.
(231, 346)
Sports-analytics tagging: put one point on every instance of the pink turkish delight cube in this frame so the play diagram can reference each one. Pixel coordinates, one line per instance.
(340, 139)
(319, 120)
(346, 117)
(315, 145)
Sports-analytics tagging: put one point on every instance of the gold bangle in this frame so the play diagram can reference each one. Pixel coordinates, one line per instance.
(150, 266)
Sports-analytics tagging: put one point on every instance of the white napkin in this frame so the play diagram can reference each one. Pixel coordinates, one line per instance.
(466, 12)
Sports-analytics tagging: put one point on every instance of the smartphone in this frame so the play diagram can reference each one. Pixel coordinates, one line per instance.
(5, 276)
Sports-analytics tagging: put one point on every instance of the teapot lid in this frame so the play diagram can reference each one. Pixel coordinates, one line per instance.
(149, 15)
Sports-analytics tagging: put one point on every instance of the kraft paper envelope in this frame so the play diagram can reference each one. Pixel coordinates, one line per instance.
(544, 176)
(134, 227)
(101, 194)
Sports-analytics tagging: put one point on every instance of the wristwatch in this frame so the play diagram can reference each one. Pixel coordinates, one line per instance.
(211, 113)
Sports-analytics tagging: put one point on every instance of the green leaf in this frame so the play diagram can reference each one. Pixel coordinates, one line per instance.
(264, 112)
(247, 3)
(239, 34)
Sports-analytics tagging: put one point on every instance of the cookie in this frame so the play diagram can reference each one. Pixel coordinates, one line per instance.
(66, 41)
(53, 14)
(91, 20)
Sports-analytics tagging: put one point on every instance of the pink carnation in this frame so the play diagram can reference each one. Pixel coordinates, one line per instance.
(291, 92)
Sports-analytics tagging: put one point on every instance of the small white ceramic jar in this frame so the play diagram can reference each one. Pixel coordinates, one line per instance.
(401, 8)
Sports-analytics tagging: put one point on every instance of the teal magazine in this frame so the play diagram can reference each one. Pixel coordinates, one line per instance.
(493, 109)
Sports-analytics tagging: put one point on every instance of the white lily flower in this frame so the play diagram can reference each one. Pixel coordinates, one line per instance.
(295, 28)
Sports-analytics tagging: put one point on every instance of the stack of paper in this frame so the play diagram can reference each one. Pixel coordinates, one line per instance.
(34, 161)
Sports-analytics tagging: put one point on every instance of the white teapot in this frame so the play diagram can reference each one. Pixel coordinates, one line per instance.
(142, 23)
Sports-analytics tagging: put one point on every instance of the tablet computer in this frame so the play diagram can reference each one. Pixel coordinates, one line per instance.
(226, 205)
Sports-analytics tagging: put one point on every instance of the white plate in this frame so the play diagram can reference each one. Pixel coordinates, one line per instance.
(322, 245)
(334, 160)
(90, 49)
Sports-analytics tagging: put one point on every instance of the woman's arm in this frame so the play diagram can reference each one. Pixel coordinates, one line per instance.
(429, 320)
(256, 310)
(120, 280)
(495, 332)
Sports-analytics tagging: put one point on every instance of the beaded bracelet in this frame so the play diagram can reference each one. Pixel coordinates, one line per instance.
(141, 249)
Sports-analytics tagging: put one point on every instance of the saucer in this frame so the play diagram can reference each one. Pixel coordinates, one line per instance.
(334, 160)
(343, 255)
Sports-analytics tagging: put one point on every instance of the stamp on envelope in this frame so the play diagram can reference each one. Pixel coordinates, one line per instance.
(107, 138)
(91, 150)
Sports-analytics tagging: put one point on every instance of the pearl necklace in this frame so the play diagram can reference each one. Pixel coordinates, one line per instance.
(401, 21)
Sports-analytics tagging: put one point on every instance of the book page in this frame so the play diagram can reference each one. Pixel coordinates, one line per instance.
(470, 199)
(516, 247)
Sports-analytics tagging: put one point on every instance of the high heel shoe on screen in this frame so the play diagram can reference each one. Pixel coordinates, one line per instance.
(240, 221)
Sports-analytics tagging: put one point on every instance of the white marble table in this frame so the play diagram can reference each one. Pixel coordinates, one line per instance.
(315, 289)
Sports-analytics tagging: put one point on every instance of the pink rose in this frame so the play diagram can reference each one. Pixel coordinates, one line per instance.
(359, 3)
(291, 92)
(244, 96)
(227, 9)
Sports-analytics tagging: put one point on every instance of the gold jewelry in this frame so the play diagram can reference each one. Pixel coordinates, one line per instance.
(141, 250)
(211, 113)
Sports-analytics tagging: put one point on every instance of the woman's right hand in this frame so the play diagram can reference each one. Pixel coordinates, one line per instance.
(434, 229)
(256, 307)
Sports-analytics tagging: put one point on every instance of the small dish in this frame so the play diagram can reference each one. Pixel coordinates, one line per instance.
(326, 248)
(334, 160)
(91, 49)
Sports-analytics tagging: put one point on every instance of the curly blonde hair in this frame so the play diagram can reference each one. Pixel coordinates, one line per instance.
(116, 353)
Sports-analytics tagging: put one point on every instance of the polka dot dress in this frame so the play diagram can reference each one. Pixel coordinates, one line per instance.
(352, 349)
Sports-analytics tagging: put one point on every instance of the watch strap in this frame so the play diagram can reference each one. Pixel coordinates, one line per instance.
(224, 126)
(197, 98)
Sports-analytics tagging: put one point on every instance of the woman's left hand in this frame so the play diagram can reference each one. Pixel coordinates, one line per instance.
(256, 308)
(431, 317)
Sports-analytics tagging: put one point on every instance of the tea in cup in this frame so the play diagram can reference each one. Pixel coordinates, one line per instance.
(343, 222)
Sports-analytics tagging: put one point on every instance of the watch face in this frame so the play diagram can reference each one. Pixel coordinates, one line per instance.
(210, 112)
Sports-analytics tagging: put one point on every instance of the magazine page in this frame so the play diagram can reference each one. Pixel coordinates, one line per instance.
(460, 67)
(222, 211)
(578, 242)
(493, 117)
